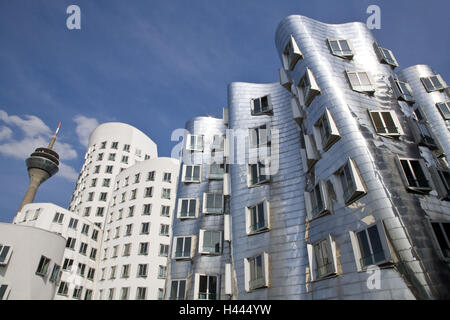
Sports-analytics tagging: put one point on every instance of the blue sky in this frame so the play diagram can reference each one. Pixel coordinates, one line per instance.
(155, 64)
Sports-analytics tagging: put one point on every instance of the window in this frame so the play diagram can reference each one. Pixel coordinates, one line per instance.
(402, 90)
(210, 242)
(385, 56)
(97, 169)
(165, 193)
(133, 194)
(192, 173)
(316, 201)
(81, 269)
(160, 293)
(124, 159)
(100, 211)
(441, 179)
(58, 218)
(112, 274)
(444, 109)
(256, 174)
(257, 218)
(85, 229)
(145, 227)
(73, 223)
(322, 258)
(67, 265)
(165, 211)
(138, 152)
(206, 287)
(386, 123)
(124, 293)
(105, 254)
(148, 192)
(213, 203)
(167, 177)
(103, 145)
(70, 243)
(360, 81)
(433, 83)
(194, 142)
(216, 171)
(100, 157)
(114, 145)
(126, 250)
(370, 246)
(151, 176)
(187, 208)
(77, 292)
(164, 230)
(54, 277)
(87, 211)
(94, 235)
(63, 288)
(112, 157)
(141, 293)
(125, 271)
(125, 182)
(126, 147)
(117, 232)
(178, 290)
(259, 136)
(256, 271)
(83, 248)
(414, 174)
(351, 184)
(183, 247)
(88, 294)
(291, 54)
(106, 182)
(137, 178)
(142, 270)
(115, 251)
(162, 272)
(340, 48)
(42, 268)
(143, 248)
(218, 142)
(163, 250)
(326, 131)
(261, 105)
(441, 231)
(147, 209)
(128, 230)
(308, 152)
(308, 88)
(5, 254)
(109, 169)
(4, 292)
(90, 274)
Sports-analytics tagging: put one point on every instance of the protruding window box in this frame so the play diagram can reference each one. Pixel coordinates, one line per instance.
(257, 272)
(308, 88)
(210, 242)
(317, 201)
(351, 184)
(444, 109)
(414, 174)
(188, 208)
(297, 111)
(213, 203)
(184, 247)
(308, 152)
(326, 131)
(422, 134)
(434, 83)
(291, 54)
(386, 123)
(361, 81)
(402, 90)
(285, 80)
(441, 181)
(385, 56)
(322, 259)
(257, 218)
(341, 48)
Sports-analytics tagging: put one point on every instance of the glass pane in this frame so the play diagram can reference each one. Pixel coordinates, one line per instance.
(335, 46)
(3, 253)
(192, 205)
(353, 79)
(256, 106)
(421, 179)
(345, 47)
(179, 247)
(264, 103)
(196, 173)
(436, 83)
(366, 256)
(203, 286)
(441, 239)
(389, 122)
(408, 173)
(445, 109)
(181, 289)
(212, 288)
(379, 125)
(428, 84)
(187, 247)
(364, 78)
(377, 248)
(188, 174)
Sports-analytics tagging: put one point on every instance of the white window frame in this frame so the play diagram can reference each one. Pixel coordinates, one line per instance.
(307, 88)
(215, 176)
(341, 53)
(7, 255)
(422, 133)
(139, 269)
(308, 152)
(58, 218)
(44, 271)
(6, 292)
(259, 136)
(321, 185)
(440, 182)
(384, 243)
(201, 249)
(291, 54)
(177, 295)
(248, 218)
(263, 111)
(326, 121)
(442, 84)
(444, 109)
(356, 189)
(402, 90)
(421, 189)
(385, 56)
(197, 208)
(259, 168)
(370, 88)
(191, 178)
(312, 257)
(435, 240)
(264, 281)
(184, 255)
(197, 286)
(207, 210)
(199, 141)
(393, 115)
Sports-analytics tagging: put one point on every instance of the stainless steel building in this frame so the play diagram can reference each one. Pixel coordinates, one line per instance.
(338, 176)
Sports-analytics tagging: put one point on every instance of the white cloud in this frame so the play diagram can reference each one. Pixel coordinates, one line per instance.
(84, 128)
(31, 125)
(67, 172)
(5, 133)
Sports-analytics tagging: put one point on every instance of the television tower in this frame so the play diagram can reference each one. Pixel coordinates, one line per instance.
(42, 164)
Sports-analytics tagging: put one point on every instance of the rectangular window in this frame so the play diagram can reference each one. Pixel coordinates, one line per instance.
(165, 211)
(165, 193)
(77, 292)
(210, 242)
(164, 230)
(93, 254)
(58, 218)
(402, 90)
(317, 201)
(88, 294)
(259, 136)
(187, 208)
(126, 250)
(351, 183)
(341, 48)
(114, 145)
(183, 247)
(112, 274)
(151, 176)
(81, 269)
(70, 243)
(167, 177)
(73, 223)
(142, 270)
(125, 271)
(385, 122)
(256, 271)
(216, 171)
(162, 272)
(147, 209)
(163, 250)
(126, 147)
(291, 54)
(112, 157)
(67, 265)
(444, 109)
(207, 287)
(124, 293)
(87, 211)
(308, 88)
(194, 142)
(100, 211)
(128, 230)
(326, 130)
(213, 203)
(91, 274)
(43, 265)
(324, 258)
(257, 218)
(160, 294)
(85, 229)
(137, 177)
(308, 151)
(441, 179)
(441, 232)
(218, 142)
(145, 228)
(192, 173)
(63, 288)
(433, 83)
(109, 169)
(55, 273)
(83, 248)
(5, 254)
(370, 246)
(261, 105)
(256, 174)
(143, 248)
(360, 81)
(385, 55)
(124, 159)
(141, 293)
(178, 290)
(94, 235)
(414, 174)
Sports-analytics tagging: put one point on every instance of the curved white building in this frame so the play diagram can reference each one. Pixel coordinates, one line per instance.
(112, 147)
(30, 262)
(138, 228)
